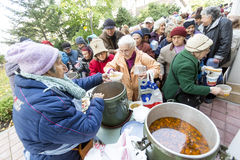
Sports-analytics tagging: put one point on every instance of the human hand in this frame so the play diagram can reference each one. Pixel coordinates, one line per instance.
(216, 91)
(215, 60)
(160, 76)
(98, 95)
(142, 75)
(105, 77)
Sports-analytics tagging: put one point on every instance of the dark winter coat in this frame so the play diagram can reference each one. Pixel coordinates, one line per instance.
(220, 31)
(111, 42)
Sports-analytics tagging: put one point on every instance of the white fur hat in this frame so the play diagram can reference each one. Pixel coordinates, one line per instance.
(198, 43)
(158, 23)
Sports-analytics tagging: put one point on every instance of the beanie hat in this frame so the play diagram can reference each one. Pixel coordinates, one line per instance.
(181, 31)
(158, 23)
(86, 49)
(97, 46)
(66, 45)
(198, 43)
(146, 31)
(109, 24)
(47, 42)
(137, 32)
(80, 40)
(91, 37)
(32, 57)
(188, 23)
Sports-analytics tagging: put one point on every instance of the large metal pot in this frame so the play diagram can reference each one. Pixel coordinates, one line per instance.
(157, 151)
(115, 103)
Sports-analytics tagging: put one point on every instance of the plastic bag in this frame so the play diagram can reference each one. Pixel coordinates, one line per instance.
(149, 92)
(122, 150)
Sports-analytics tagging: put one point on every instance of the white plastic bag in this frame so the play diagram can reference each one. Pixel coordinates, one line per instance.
(122, 150)
(149, 92)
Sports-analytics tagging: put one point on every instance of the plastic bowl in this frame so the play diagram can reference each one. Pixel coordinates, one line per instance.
(135, 104)
(226, 89)
(116, 76)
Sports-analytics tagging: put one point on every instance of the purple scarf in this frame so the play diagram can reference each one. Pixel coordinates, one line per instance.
(130, 62)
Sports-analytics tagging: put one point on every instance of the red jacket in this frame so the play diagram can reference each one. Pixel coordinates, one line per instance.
(97, 66)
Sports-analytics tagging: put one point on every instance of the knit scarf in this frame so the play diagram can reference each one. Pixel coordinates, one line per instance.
(65, 84)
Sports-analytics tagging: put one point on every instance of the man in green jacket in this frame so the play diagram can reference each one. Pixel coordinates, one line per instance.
(185, 67)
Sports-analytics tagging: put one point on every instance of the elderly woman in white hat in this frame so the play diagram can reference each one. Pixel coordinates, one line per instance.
(158, 31)
(125, 61)
(181, 84)
(100, 57)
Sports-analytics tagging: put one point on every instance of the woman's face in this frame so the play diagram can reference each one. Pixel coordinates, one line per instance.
(202, 54)
(126, 51)
(190, 30)
(206, 20)
(102, 56)
(60, 69)
(161, 29)
(146, 38)
(137, 38)
(81, 45)
(178, 40)
(86, 55)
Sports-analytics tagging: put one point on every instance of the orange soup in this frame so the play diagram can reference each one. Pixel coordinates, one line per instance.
(179, 136)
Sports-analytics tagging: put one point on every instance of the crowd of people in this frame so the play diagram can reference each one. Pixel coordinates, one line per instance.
(174, 48)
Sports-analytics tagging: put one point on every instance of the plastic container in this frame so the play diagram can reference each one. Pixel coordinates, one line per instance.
(116, 76)
(139, 69)
(135, 104)
(136, 128)
(212, 80)
(140, 113)
(226, 89)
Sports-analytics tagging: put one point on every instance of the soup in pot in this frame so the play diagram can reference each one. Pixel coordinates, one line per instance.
(179, 136)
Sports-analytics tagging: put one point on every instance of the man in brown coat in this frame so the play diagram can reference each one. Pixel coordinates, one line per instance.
(110, 36)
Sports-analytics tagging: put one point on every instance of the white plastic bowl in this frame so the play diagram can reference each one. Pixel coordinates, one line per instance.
(139, 103)
(116, 76)
(225, 88)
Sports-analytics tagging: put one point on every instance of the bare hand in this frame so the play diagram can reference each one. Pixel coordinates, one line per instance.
(215, 60)
(216, 91)
(143, 75)
(160, 76)
(105, 77)
(98, 95)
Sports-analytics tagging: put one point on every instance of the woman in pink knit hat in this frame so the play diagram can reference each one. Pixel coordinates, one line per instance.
(47, 108)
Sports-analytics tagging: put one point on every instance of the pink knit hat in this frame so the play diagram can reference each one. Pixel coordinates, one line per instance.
(32, 57)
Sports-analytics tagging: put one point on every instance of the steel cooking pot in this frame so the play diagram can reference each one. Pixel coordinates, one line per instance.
(156, 151)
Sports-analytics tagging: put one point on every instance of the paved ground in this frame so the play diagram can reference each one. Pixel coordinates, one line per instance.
(225, 115)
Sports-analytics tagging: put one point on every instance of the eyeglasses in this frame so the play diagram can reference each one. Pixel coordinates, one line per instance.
(124, 51)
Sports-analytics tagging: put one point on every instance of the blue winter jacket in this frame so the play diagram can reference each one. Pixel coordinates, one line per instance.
(73, 56)
(48, 122)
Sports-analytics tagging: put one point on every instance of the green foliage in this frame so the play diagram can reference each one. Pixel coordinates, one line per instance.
(156, 11)
(79, 15)
(6, 109)
(38, 20)
(205, 3)
(2, 59)
(6, 99)
(124, 17)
